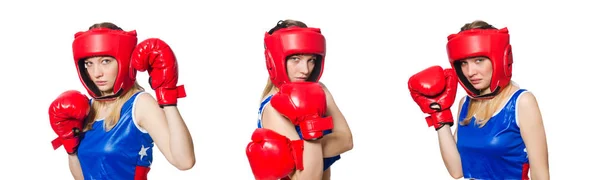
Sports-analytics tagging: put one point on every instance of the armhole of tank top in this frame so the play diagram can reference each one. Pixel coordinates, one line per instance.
(517, 107)
(463, 109)
(263, 104)
(464, 106)
(133, 118)
(260, 119)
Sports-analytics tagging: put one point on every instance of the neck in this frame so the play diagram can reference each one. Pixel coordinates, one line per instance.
(106, 102)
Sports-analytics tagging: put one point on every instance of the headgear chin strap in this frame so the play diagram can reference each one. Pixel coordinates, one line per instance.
(105, 42)
(491, 43)
(282, 43)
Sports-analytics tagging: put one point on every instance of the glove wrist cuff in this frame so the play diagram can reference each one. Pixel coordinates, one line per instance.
(70, 145)
(169, 96)
(298, 151)
(439, 119)
(312, 129)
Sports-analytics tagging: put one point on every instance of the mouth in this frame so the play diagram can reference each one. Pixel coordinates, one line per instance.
(475, 81)
(300, 78)
(101, 83)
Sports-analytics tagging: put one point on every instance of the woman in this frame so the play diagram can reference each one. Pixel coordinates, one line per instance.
(500, 133)
(296, 54)
(121, 123)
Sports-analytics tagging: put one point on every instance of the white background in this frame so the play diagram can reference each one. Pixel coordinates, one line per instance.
(373, 48)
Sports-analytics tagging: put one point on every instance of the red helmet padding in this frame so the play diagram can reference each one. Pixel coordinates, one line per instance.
(491, 43)
(289, 41)
(106, 42)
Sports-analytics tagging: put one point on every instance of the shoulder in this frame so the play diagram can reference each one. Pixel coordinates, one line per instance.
(527, 110)
(145, 98)
(527, 100)
(528, 116)
(325, 89)
(271, 114)
(145, 103)
(268, 110)
(322, 85)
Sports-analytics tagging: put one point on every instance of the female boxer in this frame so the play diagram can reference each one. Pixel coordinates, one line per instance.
(297, 109)
(112, 136)
(500, 133)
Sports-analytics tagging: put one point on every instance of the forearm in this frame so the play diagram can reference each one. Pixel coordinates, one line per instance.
(327, 174)
(180, 141)
(75, 167)
(336, 143)
(449, 152)
(312, 161)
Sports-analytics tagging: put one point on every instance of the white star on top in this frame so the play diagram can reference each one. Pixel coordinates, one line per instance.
(142, 152)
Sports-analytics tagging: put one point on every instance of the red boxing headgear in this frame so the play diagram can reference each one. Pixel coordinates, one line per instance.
(491, 43)
(105, 42)
(289, 41)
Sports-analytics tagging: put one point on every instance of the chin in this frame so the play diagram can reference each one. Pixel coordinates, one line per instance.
(299, 80)
(483, 89)
(106, 90)
(481, 86)
(102, 89)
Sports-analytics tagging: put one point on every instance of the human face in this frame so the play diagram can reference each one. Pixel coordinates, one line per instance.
(103, 72)
(478, 70)
(299, 67)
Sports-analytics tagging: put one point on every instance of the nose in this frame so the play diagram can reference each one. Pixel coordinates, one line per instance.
(303, 68)
(471, 69)
(96, 71)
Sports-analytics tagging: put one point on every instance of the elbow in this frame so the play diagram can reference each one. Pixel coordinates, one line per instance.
(349, 144)
(456, 175)
(539, 175)
(186, 165)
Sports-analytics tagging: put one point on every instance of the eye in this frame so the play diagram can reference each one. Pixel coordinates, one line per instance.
(87, 64)
(106, 61)
(463, 63)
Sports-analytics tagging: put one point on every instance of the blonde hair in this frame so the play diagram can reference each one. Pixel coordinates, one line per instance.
(267, 89)
(486, 108)
(115, 111)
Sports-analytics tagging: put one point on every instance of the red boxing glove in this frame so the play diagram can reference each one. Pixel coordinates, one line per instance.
(67, 114)
(434, 90)
(304, 103)
(273, 156)
(157, 57)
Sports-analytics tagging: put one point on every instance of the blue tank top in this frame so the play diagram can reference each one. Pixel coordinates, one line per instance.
(327, 162)
(497, 150)
(124, 152)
